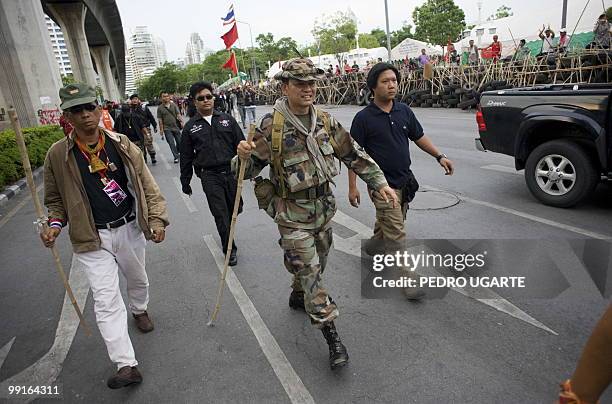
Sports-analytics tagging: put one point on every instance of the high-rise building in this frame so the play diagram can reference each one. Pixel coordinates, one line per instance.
(142, 53)
(59, 46)
(160, 51)
(130, 82)
(194, 50)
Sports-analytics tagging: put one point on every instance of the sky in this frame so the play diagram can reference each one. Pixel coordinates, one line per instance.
(175, 20)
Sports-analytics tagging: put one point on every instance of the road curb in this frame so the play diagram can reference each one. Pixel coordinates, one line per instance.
(12, 190)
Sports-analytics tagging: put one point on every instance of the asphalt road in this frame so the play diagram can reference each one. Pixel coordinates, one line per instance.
(460, 348)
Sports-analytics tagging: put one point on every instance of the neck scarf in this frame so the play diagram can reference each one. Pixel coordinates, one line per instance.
(322, 169)
(95, 163)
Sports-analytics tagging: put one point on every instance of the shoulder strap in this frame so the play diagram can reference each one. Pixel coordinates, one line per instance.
(278, 123)
(326, 124)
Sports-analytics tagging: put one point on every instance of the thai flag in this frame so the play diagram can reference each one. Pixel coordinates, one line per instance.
(229, 18)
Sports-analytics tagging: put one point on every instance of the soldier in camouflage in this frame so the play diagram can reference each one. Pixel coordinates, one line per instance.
(300, 142)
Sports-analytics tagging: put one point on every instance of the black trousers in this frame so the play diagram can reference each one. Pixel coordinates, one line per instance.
(220, 190)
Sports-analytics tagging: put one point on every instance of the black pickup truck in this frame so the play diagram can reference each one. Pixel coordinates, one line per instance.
(561, 135)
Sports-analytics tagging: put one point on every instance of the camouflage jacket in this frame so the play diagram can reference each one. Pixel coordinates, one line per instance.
(300, 173)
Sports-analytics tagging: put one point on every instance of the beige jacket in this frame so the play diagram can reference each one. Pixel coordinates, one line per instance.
(66, 199)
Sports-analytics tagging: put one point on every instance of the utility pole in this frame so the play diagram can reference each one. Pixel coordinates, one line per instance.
(388, 33)
(254, 76)
(564, 14)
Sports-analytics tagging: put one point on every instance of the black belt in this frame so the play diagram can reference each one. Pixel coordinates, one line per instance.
(218, 170)
(310, 193)
(117, 223)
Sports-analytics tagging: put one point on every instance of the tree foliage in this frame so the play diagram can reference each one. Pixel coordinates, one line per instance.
(502, 12)
(437, 21)
(335, 34)
(272, 50)
(399, 35)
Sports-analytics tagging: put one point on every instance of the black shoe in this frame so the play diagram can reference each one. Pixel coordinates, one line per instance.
(125, 376)
(338, 357)
(233, 260)
(296, 300)
(153, 161)
(176, 160)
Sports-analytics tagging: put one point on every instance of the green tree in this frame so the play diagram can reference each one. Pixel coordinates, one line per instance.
(368, 41)
(68, 79)
(609, 13)
(438, 20)
(380, 35)
(399, 35)
(273, 51)
(335, 34)
(502, 12)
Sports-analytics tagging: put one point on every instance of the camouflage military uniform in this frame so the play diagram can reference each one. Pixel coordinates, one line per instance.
(304, 223)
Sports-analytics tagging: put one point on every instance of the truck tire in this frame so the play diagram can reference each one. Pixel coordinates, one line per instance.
(575, 179)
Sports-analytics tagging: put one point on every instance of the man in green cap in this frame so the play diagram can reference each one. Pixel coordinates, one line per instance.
(97, 180)
(300, 143)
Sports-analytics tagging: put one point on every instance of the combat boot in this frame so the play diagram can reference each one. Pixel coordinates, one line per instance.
(338, 356)
(296, 300)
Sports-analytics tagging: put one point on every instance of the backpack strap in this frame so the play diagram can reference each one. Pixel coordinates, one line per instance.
(324, 116)
(278, 123)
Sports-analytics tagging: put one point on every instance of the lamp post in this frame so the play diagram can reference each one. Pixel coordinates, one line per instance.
(388, 33)
(254, 69)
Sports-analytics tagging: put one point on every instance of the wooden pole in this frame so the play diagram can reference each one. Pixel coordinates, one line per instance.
(42, 220)
(230, 242)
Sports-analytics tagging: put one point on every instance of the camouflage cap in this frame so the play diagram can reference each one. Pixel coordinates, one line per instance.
(76, 94)
(299, 69)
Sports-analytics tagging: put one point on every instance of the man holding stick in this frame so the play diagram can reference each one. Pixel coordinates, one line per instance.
(97, 180)
(300, 143)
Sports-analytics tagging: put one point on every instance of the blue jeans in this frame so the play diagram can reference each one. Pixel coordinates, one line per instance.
(173, 137)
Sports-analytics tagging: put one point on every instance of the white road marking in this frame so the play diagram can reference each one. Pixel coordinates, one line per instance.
(5, 350)
(162, 157)
(352, 245)
(281, 366)
(531, 217)
(188, 202)
(44, 372)
(501, 169)
(16, 209)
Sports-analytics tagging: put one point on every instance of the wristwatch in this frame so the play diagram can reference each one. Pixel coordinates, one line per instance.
(440, 157)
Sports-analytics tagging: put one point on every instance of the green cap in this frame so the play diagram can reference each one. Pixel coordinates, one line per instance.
(76, 94)
(299, 69)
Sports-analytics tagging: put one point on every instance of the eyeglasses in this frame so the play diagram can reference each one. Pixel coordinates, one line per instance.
(205, 97)
(79, 108)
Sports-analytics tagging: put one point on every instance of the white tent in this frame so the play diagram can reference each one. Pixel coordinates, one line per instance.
(411, 48)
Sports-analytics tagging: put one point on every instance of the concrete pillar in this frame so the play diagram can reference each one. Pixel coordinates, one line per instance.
(101, 56)
(71, 18)
(29, 77)
(116, 83)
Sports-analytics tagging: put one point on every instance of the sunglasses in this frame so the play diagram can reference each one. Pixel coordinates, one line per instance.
(79, 108)
(205, 97)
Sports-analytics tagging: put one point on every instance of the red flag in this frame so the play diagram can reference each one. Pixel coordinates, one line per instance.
(231, 63)
(230, 36)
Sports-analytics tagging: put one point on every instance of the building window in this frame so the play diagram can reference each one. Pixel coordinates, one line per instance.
(492, 30)
(480, 32)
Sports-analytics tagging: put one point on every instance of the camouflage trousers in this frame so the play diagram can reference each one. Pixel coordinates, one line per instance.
(305, 254)
(148, 145)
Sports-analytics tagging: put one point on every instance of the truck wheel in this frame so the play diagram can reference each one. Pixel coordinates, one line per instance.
(560, 173)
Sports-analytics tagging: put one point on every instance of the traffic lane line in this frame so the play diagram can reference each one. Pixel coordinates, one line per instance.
(291, 382)
(18, 207)
(528, 216)
(186, 198)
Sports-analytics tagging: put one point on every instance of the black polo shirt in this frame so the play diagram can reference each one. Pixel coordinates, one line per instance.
(386, 138)
(103, 209)
(207, 146)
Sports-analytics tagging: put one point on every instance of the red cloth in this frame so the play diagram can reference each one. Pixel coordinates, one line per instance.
(496, 49)
(66, 126)
(231, 63)
(230, 36)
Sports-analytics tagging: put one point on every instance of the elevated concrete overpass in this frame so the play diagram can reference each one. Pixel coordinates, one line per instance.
(29, 77)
